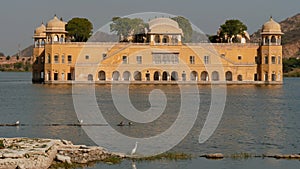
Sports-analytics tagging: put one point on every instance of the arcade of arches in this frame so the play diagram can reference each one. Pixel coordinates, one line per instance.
(160, 75)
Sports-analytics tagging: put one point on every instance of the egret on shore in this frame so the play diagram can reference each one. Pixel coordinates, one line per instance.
(80, 121)
(134, 149)
(17, 123)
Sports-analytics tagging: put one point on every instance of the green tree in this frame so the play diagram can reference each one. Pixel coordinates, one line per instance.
(79, 29)
(231, 29)
(186, 27)
(18, 65)
(7, 57)
(126, 27)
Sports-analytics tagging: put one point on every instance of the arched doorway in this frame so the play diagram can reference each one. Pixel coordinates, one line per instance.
(115, 76)
(204, 76)
(240, 78)
(90, 77)
(165, 76)
(215, 76)
(101, 75)
(137, 76)
(174, 76)
(126, 76)
(183, 76)
(273, 76)
(156, 75)
(194, 76)
(228, 76)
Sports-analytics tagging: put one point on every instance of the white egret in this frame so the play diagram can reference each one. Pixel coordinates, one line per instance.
(134, 149)
(17, 123)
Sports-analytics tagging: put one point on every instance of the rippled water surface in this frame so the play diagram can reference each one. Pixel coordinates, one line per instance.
(257, 119)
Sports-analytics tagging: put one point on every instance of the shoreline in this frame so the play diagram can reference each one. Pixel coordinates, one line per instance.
(38, 153)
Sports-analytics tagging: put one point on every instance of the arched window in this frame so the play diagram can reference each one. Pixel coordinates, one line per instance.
(228, 76)
(36, 44)
(174, 39)
(204, 76)
(165, 76)
(101, 75)
(126, 76)
(56, 59)
(174, 76)
(157, 39)
(215, 76)
(90, 77)
(115, 76)
(194, 76)
(55, 38)
(165, 39)
(273, 39)
(43, 42)
(266, 40)
(62, 39)
(240, 78)
(156, 75)
(137, 76)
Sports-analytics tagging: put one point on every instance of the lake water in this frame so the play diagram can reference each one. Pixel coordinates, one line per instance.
(258, 119)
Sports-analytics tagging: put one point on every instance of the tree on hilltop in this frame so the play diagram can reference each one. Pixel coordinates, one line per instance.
(79, 29)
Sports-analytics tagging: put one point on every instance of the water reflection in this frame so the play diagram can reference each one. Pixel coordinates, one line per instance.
(257, 119)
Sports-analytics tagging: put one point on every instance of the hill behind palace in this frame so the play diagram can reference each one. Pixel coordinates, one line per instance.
(291, 38)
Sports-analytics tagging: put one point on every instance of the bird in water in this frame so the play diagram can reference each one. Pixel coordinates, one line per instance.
(17, 123)
(80, 121)
(133, 151)
(121, 123)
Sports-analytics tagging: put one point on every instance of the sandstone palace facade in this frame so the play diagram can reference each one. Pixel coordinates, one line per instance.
(161, 58)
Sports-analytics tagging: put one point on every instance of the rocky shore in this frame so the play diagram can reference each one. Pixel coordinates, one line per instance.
(25, 153)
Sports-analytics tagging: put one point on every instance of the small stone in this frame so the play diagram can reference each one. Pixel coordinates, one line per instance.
(214, 156)
(64, 159)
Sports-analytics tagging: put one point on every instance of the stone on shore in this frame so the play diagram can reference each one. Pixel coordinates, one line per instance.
(214, 156)
(25, 153)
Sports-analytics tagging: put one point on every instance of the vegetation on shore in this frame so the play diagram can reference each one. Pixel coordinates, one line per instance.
(291, 67)
(16, 67)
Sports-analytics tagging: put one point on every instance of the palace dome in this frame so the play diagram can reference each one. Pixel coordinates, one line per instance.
(271, 27)
(55, 25)
(164, 26)
(40, 31)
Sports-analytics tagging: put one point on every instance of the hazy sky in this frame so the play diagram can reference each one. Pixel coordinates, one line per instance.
(19, 18)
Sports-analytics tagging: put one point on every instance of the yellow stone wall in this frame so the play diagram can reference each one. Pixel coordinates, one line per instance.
(239, 59)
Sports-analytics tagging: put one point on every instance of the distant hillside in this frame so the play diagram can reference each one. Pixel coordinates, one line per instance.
(27, 52)
(291, 38)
